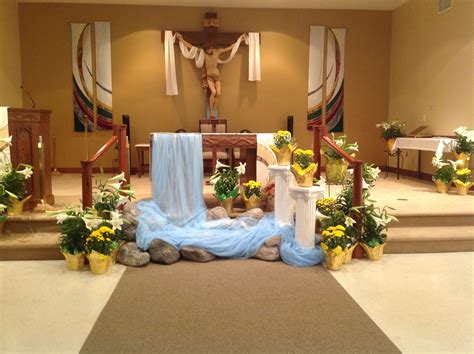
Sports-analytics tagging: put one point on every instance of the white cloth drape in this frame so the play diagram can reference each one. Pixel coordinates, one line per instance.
(252, 40)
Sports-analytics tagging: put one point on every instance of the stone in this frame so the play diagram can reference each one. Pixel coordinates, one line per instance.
(255, 213)
(266, 253)
(196, 254)
(130, 232)
(162, 252)
(216, 213)
(130, 255)
(273, 241)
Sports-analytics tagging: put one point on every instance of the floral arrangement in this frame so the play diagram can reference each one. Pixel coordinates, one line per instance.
(464, 140)
(226, 180)
(108, 195)
(374, 223)
(252, 188)
(391, 130)
(14, 180)
(340, 141)
(335, 239)
(303, 162)
(463, 177)
(281, 139)
(445, 172)
(102, 240)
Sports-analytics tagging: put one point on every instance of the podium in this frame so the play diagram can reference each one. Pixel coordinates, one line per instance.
(26, 125)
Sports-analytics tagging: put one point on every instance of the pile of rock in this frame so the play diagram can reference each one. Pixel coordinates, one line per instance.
(164, 253)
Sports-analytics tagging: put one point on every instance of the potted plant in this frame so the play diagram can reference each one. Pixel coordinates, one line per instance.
(226, 184)
(464, 145)
(444, 175)
(283, 146)
(99, 245)
(14, 181)
(463, 181)
(391, 131)
(303, 167)
(334, 244)
(336, 166)
(252, 194)
(374, 230)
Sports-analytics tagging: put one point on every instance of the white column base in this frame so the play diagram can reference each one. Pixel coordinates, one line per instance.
(306, 213)
(283, 203)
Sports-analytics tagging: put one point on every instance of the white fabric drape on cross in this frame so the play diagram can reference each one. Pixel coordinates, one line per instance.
(198, 54)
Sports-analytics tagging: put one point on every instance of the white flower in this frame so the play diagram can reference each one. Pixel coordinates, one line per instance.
(115, 185)
(379, 221)
(116, 220)
(374, 172)
(120, 178)
(437, 162)
(365, 185)
(2, 208)
(461, 131)
(7, 141)
(221, 165)
(98, 197)
(61, 217)
(470, 136)
(349, 221)
(91, 223)
(27, 172)
(214, 179)
(241, 168)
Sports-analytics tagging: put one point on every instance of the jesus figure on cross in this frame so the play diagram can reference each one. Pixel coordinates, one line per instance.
(211, 77)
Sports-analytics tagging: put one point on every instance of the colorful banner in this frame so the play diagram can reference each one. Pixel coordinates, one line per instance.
(334, 78)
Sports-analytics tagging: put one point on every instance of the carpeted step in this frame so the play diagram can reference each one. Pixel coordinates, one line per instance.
(433, 220)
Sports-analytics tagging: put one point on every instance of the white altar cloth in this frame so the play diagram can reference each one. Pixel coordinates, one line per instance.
(437, 144)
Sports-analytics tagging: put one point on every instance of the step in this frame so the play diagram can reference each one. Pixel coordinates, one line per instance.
(31, 223)
(432, 220)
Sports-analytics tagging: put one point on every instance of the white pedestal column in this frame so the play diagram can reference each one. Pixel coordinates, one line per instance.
(283, 205)
(306, 213)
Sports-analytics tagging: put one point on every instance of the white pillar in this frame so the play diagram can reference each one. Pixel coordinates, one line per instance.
(283, 204)
(306, 213)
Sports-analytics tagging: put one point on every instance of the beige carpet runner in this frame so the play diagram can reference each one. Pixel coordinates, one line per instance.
(233, 306)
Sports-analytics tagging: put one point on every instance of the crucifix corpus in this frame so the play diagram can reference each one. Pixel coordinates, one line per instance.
(206, 48)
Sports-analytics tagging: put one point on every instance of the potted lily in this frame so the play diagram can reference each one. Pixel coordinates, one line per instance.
(464, 145)
(391, 131)
(303, 167)
(99, 245)
(444, 175)
(15, 183)
(463, 181)
(252, 194)
(226, 184)
(336, 165)
(283, 146)
(334, 245)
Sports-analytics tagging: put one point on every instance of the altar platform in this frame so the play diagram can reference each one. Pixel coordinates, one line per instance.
(429, 221)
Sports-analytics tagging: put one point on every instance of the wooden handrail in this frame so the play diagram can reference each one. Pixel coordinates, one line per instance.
(120, 138)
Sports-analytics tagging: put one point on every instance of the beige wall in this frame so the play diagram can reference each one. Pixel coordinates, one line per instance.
(138, 71)
(10, 71)
(431, 74)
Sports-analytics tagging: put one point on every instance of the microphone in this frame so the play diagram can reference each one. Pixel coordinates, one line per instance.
(28, 94)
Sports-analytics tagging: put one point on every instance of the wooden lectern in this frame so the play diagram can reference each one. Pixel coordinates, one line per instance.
(26, 125)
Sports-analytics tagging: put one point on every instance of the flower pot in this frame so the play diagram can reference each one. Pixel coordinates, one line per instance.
(99, 262)
(306, 179)
(374, 253)
(441, 187)
(336, 170)
(334, 261)
(74, 261)
(390, 143)
(348, 254)
(464, 157)
(252, 202)
(17, 206)
(463, 189)
(227, 204)
(283, 155)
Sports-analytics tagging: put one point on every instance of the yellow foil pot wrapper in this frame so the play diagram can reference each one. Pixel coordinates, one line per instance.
(390, 143)
(99, 263)
(113, 255)
(334, 261)
(74, 261)
(17, 206)
(283, 156)
(348, 254)
(463, 189)
(374, 253)
(228, 205)
(441, 187)
(252, 202)
(305, 180)
(463, 157)
(336, 170)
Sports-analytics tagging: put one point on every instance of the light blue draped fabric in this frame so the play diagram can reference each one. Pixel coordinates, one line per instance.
(177, 213)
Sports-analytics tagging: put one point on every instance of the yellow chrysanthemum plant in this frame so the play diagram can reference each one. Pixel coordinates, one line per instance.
(102, 240)
(252, 194)
(283, 146)
(303, 167)
(334, 244)
(463, 181)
